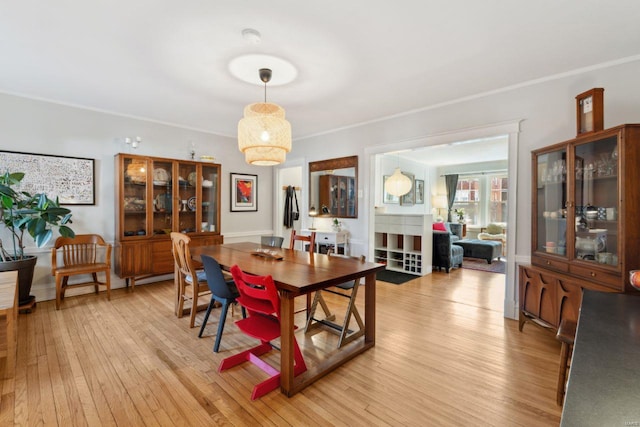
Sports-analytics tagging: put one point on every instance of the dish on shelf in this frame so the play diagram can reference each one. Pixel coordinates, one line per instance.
(209, 159)
(191, 203)
(192, 179)
(160, 174)
(157, 182)
(205, 204)
(206, 183)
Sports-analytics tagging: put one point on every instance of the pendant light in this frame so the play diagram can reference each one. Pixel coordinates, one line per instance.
(398, 184)
(264, 136)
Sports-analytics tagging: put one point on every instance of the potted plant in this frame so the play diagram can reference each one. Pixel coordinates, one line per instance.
(460, 214)
(37, 215)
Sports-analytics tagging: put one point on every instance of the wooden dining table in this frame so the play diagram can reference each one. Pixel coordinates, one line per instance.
(299, 273)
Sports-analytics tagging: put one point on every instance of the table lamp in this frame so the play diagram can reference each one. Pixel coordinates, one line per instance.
(312, 214)
(440, 202)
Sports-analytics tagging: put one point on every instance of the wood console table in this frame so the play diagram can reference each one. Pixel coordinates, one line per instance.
(9, 309)
(604, 376)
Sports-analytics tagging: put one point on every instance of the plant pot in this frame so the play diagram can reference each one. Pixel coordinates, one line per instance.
(25, 268)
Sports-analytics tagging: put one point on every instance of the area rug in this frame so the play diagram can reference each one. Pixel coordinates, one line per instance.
(496, 266)
(394, 277)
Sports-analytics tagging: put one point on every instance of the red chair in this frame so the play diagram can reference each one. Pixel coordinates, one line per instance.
(259, 296)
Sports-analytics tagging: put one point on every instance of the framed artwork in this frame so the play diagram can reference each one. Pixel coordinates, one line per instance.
(409, 199)
(419, 184)
(70, 179)
(386, 197)
(244, 192)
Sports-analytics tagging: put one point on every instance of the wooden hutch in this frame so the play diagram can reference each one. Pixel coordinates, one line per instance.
(585, 223)
(155, 196)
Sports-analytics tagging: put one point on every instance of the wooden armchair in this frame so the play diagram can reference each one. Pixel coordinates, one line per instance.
(80, 255)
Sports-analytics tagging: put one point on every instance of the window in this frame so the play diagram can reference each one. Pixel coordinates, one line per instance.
(483, 198)
(468, 198)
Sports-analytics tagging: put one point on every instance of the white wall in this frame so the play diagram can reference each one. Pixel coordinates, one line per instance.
(547, 111)
(40, 127)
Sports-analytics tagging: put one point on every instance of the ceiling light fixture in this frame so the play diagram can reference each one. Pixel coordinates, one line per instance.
(264, 136)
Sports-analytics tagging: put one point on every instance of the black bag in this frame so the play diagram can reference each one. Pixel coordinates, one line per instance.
(295, 214)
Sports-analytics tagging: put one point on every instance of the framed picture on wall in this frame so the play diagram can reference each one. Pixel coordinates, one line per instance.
(70, 179)
(419, 184)
(409, 199)
(244, 192)
(387, 197)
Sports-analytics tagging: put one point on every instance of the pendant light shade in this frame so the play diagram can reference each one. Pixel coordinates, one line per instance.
(398, 184)
(264, 136)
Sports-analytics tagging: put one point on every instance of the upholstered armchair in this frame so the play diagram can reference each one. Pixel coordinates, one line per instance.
(495, 232)
(445, 253)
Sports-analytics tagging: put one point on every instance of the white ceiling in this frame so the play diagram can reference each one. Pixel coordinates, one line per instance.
(357, 60)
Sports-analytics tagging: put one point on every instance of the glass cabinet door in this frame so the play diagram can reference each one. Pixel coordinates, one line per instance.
(135, 196)
(551, 218)
(209, 202)
(186, 182)
(163, 205)
(596, 201)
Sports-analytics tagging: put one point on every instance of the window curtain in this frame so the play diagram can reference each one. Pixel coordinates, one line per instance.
(451, 181)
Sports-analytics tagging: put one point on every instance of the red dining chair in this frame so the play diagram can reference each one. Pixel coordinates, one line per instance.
(259, 296)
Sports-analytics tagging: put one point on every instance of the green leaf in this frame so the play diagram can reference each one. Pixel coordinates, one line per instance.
(66, 231)
(42, 238)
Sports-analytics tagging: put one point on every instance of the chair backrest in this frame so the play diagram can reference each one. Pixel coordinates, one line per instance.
(258, 294)
(273, 241)
(494, 229)
(311, 239)
(181, 254)
(215, 279)
(81, 249)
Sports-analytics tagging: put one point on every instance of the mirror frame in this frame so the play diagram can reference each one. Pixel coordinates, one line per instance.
(333, 164)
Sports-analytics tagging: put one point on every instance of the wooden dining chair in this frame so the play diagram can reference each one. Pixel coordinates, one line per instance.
(259, 295)
(222, 291)
(348, 290)
(84, 254)
(309, 240)
(192, 284)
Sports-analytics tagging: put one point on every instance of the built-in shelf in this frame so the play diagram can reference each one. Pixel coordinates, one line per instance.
(404, 243)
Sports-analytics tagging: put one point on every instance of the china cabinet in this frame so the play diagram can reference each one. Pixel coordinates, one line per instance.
(155, 196)
(585, 226)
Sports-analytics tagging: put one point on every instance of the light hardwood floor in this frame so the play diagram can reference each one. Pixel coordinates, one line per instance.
(444, 355)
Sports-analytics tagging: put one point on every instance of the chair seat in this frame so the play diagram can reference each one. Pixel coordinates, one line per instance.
(81, 269)
(259, 326)
(201, 275)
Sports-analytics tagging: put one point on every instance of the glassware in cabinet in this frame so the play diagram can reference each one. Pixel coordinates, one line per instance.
(209, 199)
(551, 202)
(162, 197)
(134, 196)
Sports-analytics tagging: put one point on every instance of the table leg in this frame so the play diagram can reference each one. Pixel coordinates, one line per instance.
(370, 309)
(286, 342)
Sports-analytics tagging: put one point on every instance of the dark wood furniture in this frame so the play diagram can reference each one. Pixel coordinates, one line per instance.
(604, 376)
(566, 335)
(300, 273)
(585, 228)
(155, 196)
(83, 254)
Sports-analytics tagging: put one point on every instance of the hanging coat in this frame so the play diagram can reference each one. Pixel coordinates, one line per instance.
(288, 207)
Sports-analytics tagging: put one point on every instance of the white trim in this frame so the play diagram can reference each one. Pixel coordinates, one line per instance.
(509, 128)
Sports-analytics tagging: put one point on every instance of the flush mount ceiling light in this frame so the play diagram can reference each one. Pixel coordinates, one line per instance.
(264, 136)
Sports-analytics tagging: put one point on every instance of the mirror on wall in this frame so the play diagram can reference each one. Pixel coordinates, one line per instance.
(333, 187)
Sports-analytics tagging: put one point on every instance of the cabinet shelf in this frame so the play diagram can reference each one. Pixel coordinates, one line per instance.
(404, 242)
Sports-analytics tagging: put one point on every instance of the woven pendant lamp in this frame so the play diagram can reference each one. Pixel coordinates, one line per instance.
(398, 184)
(264, 136)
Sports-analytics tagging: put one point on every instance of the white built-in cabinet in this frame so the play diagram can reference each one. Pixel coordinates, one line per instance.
(404, 242)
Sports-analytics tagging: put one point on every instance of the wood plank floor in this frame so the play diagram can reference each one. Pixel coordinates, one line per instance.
(444, 356)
